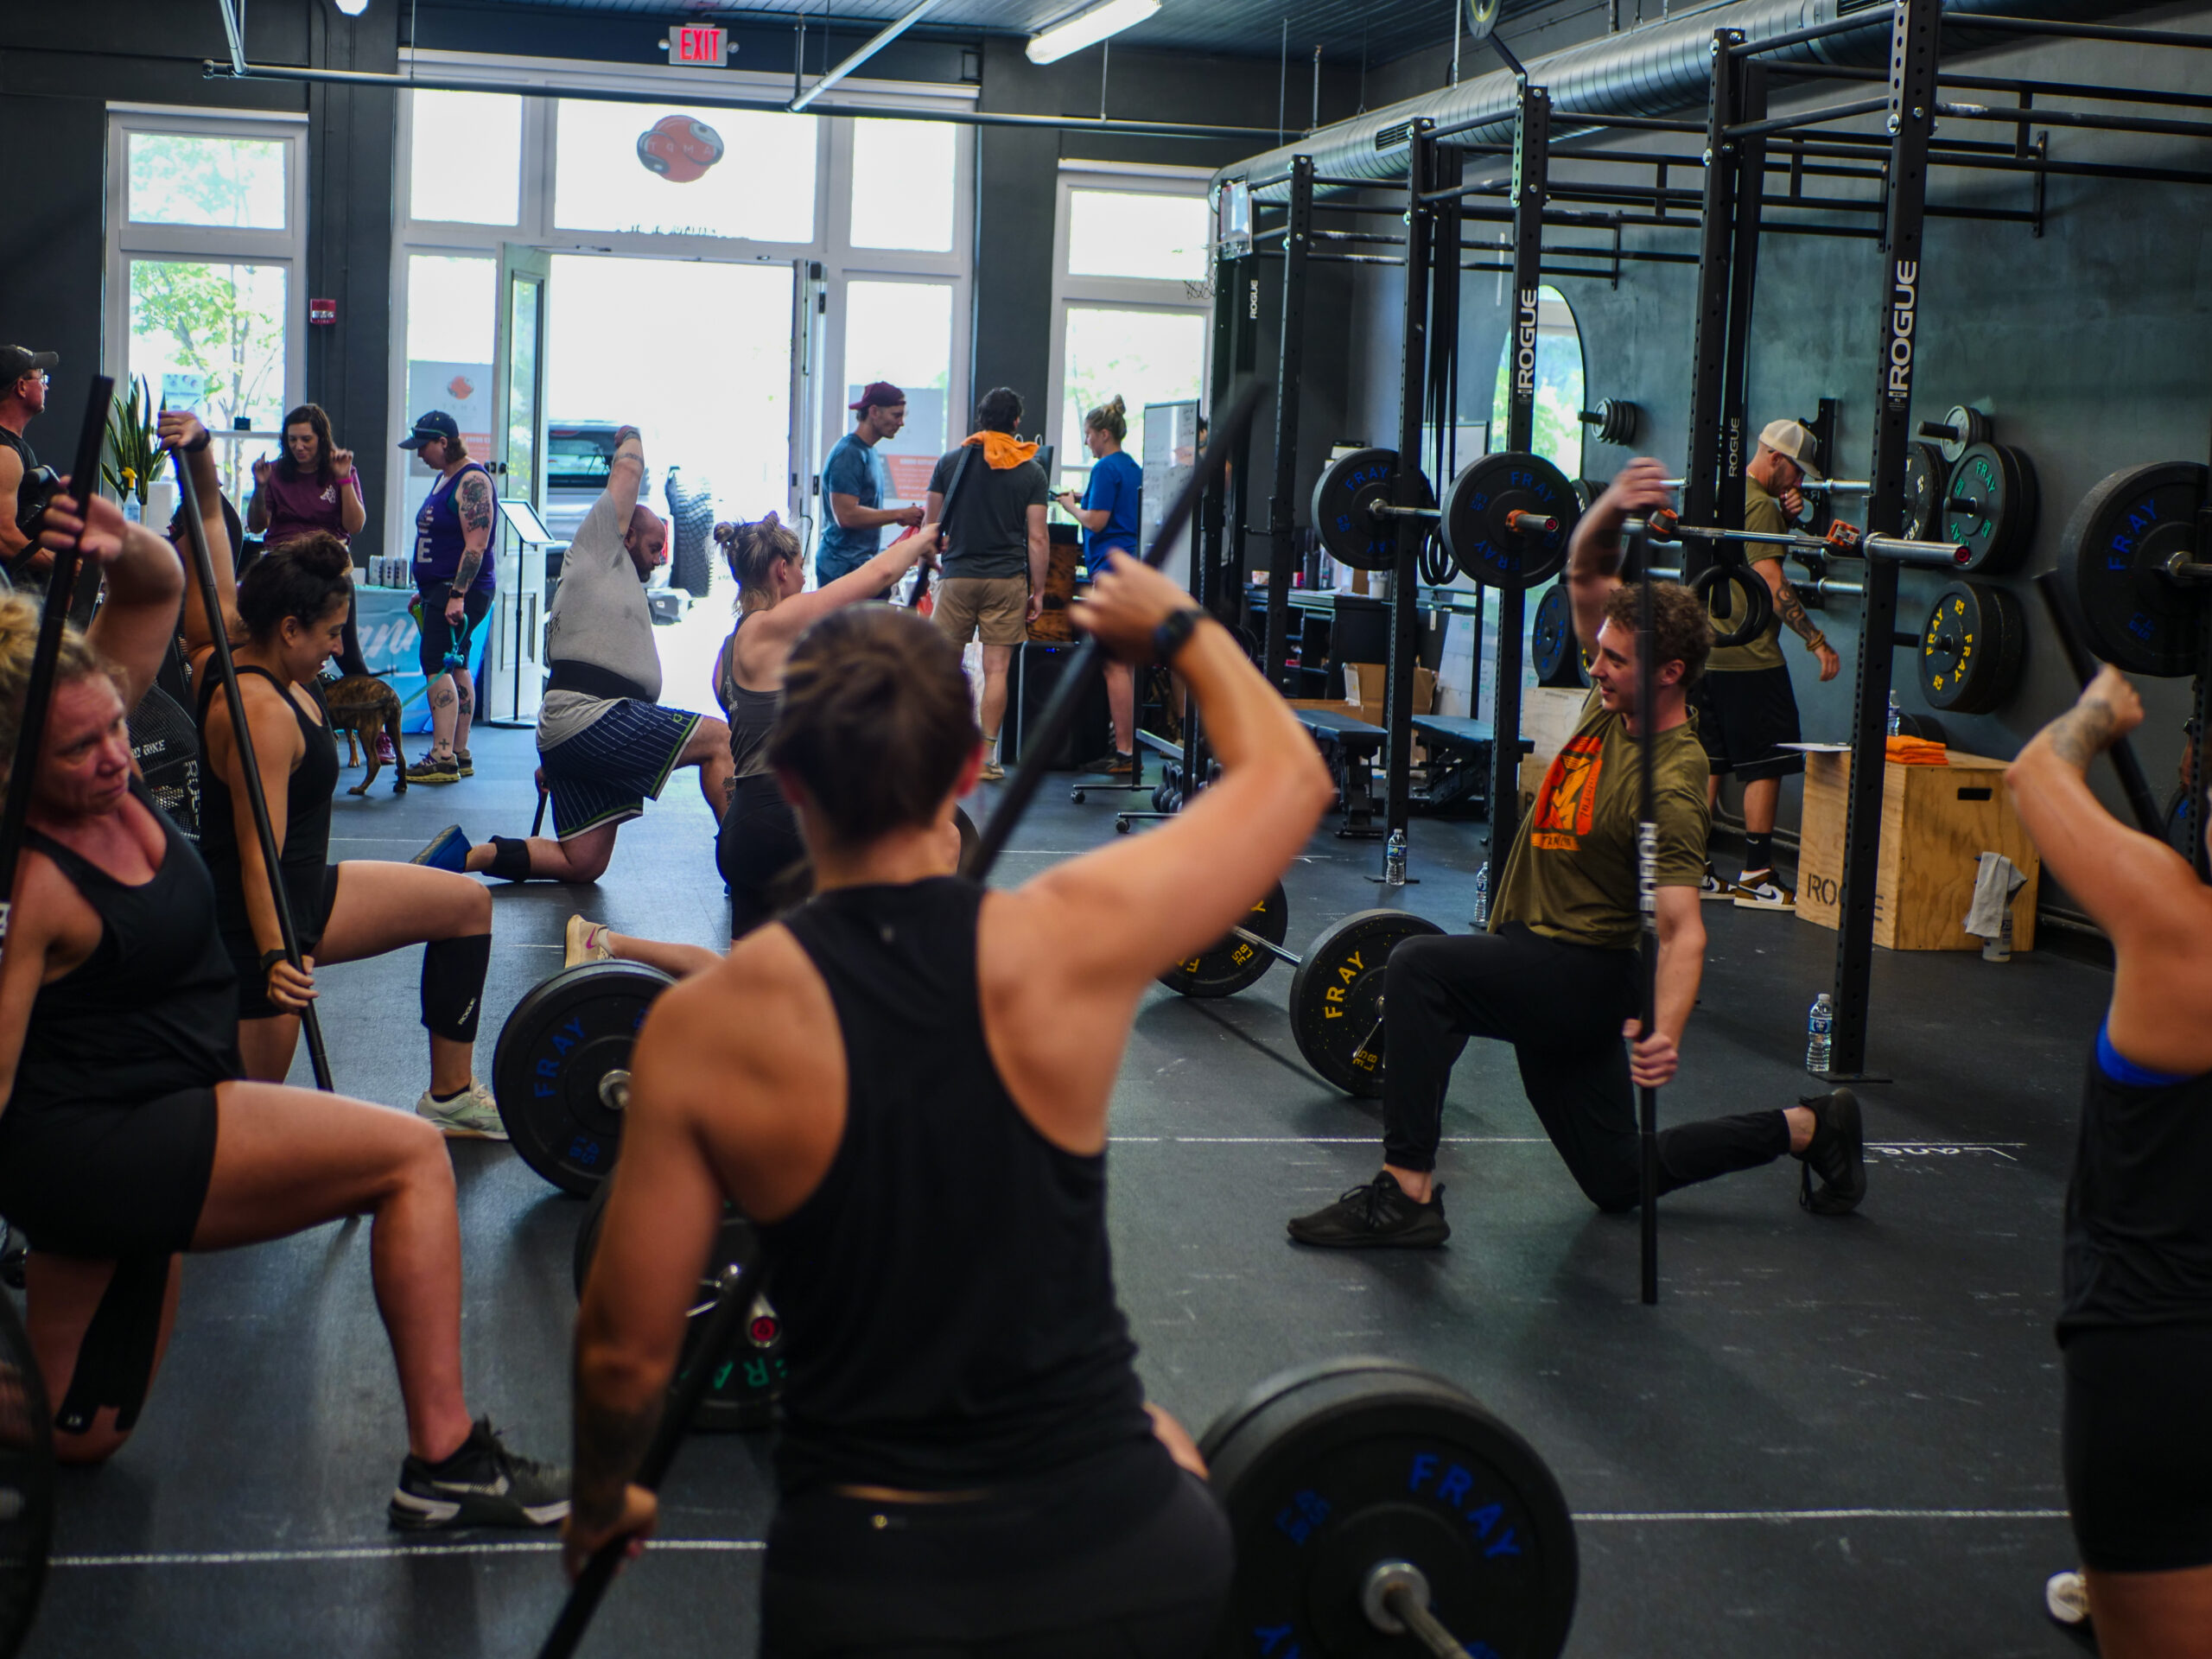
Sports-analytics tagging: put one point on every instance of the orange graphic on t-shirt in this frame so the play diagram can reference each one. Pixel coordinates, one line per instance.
(1567, 804)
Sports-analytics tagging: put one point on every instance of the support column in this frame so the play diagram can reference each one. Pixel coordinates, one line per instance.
(1290, 367)
(1412, 385)
(1709, 360)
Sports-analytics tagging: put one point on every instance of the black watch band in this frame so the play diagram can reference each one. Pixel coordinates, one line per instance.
(270, 959)
(1175, 632)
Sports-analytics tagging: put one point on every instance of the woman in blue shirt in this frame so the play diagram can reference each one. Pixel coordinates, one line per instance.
(1108, 514)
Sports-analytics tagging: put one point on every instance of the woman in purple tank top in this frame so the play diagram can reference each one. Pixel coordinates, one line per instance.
(312, 487)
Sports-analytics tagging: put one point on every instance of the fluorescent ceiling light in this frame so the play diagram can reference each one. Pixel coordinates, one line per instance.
(352, 8)
(1088, 28)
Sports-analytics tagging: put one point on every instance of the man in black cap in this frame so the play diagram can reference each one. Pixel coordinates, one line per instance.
(22, 396)
(855, 484)
(454, 534)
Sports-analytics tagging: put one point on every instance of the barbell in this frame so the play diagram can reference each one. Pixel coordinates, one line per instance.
(1845, 539)
(1506, 520)
(2138, 574)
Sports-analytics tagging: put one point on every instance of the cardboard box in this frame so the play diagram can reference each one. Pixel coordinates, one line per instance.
(1364, 683)
(1936, 823)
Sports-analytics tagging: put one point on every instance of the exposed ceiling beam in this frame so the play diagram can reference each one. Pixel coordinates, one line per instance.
(882, 38)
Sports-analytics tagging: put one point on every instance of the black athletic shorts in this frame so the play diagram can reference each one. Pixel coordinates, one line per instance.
(104, 1180)
(760, 854)
(310, 915)
(436, 636)
(1741, 717)
(1123, 1553)
(2138, 1446)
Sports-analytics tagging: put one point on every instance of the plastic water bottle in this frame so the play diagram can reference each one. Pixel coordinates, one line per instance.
(1819, 1024)
(1482, 897)
(1394, 860)
(1897, 715)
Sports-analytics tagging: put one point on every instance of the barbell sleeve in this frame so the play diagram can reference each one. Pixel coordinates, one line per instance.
(1267, 946)
(1899, 550)
(1405, 1603)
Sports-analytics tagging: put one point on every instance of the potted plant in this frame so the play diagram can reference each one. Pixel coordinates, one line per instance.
(132, 457)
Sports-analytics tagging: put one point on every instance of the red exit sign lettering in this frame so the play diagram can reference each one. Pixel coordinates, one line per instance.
(702, 46)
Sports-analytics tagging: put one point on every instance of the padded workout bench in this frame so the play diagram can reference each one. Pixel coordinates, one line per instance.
(1351, 746)
(1458, 759)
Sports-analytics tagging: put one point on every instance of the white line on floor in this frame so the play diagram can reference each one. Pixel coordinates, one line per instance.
(1909, 1148)
(1632, 1518)
(384, 1551)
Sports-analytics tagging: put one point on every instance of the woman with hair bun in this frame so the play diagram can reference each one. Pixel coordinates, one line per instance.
(1108, 515)
(291, 615)
(128, 1135)
(758, 848)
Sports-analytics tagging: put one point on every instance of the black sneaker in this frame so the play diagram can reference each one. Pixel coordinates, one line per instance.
(1837, 1155)
(483, 1485)
(462, 763)
(432, 770)
(1112, 764)
(1378, 1215)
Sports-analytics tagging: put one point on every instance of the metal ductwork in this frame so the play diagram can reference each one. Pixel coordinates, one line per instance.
(1654, 70)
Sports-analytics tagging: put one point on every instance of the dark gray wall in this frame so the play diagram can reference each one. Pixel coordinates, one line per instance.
(2088, 345)
(59, 70)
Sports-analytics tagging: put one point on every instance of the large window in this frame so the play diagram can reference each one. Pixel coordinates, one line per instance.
(1130, 301)
(206, 237)
(465, 163)
(657, 169)
(902, 333)
(450, 321)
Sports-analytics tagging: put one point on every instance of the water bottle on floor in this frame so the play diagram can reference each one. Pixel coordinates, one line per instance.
(1482, 898)
(1394, 860)
(1818, 1025)
(1897, 715)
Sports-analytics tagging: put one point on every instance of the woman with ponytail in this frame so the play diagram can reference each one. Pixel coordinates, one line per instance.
(291, 613)
(758, 848)
(1109, 513)
(128, 1133)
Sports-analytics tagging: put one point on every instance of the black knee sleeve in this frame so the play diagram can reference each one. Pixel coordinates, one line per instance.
(509, 859)
(115, 1359)
(453, 985)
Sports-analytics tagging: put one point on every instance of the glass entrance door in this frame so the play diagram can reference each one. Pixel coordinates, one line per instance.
(514, 660)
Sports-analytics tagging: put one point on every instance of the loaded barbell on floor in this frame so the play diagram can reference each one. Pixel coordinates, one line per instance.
(1336, 993)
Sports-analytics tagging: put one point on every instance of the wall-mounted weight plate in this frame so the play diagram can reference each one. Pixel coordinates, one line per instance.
(26, 1494)
(1328, 1471)
(1478, 526)
(1234, 964)
(1989, 507)
(1342, 498)
(743, 1395)
(560, 1072)
(1968, 427)
(1335, 997)
(1553, 651)
(1970, 648)
(2112, 557)
(1926, 471)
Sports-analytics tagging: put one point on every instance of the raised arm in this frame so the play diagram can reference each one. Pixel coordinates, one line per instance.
(1593, 554)
(352, 513)
(625, 477)
(181, 429)
(146, 582)
(257, 505)
(777, 627)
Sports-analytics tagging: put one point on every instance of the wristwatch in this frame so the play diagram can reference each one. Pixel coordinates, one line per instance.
(1175, 632)
(270, 959)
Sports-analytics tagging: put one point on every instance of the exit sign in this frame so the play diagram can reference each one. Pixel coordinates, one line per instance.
(706, 47)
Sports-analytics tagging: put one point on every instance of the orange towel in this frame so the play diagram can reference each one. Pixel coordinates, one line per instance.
(1001, 450)
(1916, 751)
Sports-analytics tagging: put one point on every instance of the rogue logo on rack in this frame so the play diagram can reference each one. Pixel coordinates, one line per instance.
(1902, 309)
(1524, 353)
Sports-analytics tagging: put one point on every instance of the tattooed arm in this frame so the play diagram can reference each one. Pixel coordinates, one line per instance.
(1792, 611)
(473, 501)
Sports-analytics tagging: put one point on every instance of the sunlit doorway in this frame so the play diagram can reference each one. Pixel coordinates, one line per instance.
(1558, 385)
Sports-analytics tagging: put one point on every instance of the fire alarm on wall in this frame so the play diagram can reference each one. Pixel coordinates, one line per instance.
(322, 311)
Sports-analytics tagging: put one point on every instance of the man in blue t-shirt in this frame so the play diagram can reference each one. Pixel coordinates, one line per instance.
(1108, 515)
(855, 484)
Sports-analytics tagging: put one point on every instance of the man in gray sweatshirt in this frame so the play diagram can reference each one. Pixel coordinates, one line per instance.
(606, 744)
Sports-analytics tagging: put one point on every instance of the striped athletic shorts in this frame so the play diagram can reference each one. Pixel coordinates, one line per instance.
(608, 772)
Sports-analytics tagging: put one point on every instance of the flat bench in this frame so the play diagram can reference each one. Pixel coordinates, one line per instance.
(1459, 759)
(1351, 746)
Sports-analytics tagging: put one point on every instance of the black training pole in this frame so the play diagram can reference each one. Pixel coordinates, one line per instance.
(38, 695)
(219, 632)
(735, 1299)
(1647, 893)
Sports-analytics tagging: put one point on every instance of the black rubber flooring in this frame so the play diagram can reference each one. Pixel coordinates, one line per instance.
(1831, 1436)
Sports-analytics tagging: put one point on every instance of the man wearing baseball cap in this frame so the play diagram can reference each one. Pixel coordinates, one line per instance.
(855, 484)
(1746, 707)
(22, 395)
(453, 533)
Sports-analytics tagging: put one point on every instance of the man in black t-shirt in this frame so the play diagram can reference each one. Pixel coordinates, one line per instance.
(995, 549)
(22, 398)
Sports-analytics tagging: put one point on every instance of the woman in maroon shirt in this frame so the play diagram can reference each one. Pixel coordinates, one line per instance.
(312, 487)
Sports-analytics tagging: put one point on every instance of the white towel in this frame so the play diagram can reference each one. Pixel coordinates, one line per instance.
(1994, 884)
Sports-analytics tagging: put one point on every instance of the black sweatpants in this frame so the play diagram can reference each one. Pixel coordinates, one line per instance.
(1561, 1006)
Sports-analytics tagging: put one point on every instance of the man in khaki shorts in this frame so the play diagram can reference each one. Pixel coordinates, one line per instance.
(995, 549)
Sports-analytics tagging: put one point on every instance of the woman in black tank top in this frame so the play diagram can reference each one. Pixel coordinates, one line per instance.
(126, 1134)
(2135, 1323)
(293, 606)
(904, 1085)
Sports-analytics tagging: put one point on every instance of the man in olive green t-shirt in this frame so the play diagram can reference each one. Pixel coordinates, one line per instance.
(1557, 976)
(1745, 706)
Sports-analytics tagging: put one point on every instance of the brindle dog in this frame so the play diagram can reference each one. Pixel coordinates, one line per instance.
(362, 705)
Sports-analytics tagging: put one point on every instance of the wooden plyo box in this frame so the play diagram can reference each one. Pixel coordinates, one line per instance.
(1936, 823)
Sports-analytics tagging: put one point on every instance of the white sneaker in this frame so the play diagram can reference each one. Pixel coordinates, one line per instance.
(1763, 892)
(586, 941)
(1713, 888)
(471, 1117)
(2066, 1599)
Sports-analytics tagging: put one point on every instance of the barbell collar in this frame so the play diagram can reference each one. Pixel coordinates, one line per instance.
(1835, 487)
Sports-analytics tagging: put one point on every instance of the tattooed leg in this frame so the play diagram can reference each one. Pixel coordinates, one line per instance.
(443, 713)
(464, 707)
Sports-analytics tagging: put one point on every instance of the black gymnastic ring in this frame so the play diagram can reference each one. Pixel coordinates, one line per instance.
(1758, 600)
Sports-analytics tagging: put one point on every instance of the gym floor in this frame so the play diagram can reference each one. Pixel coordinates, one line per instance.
(1830, 1437)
